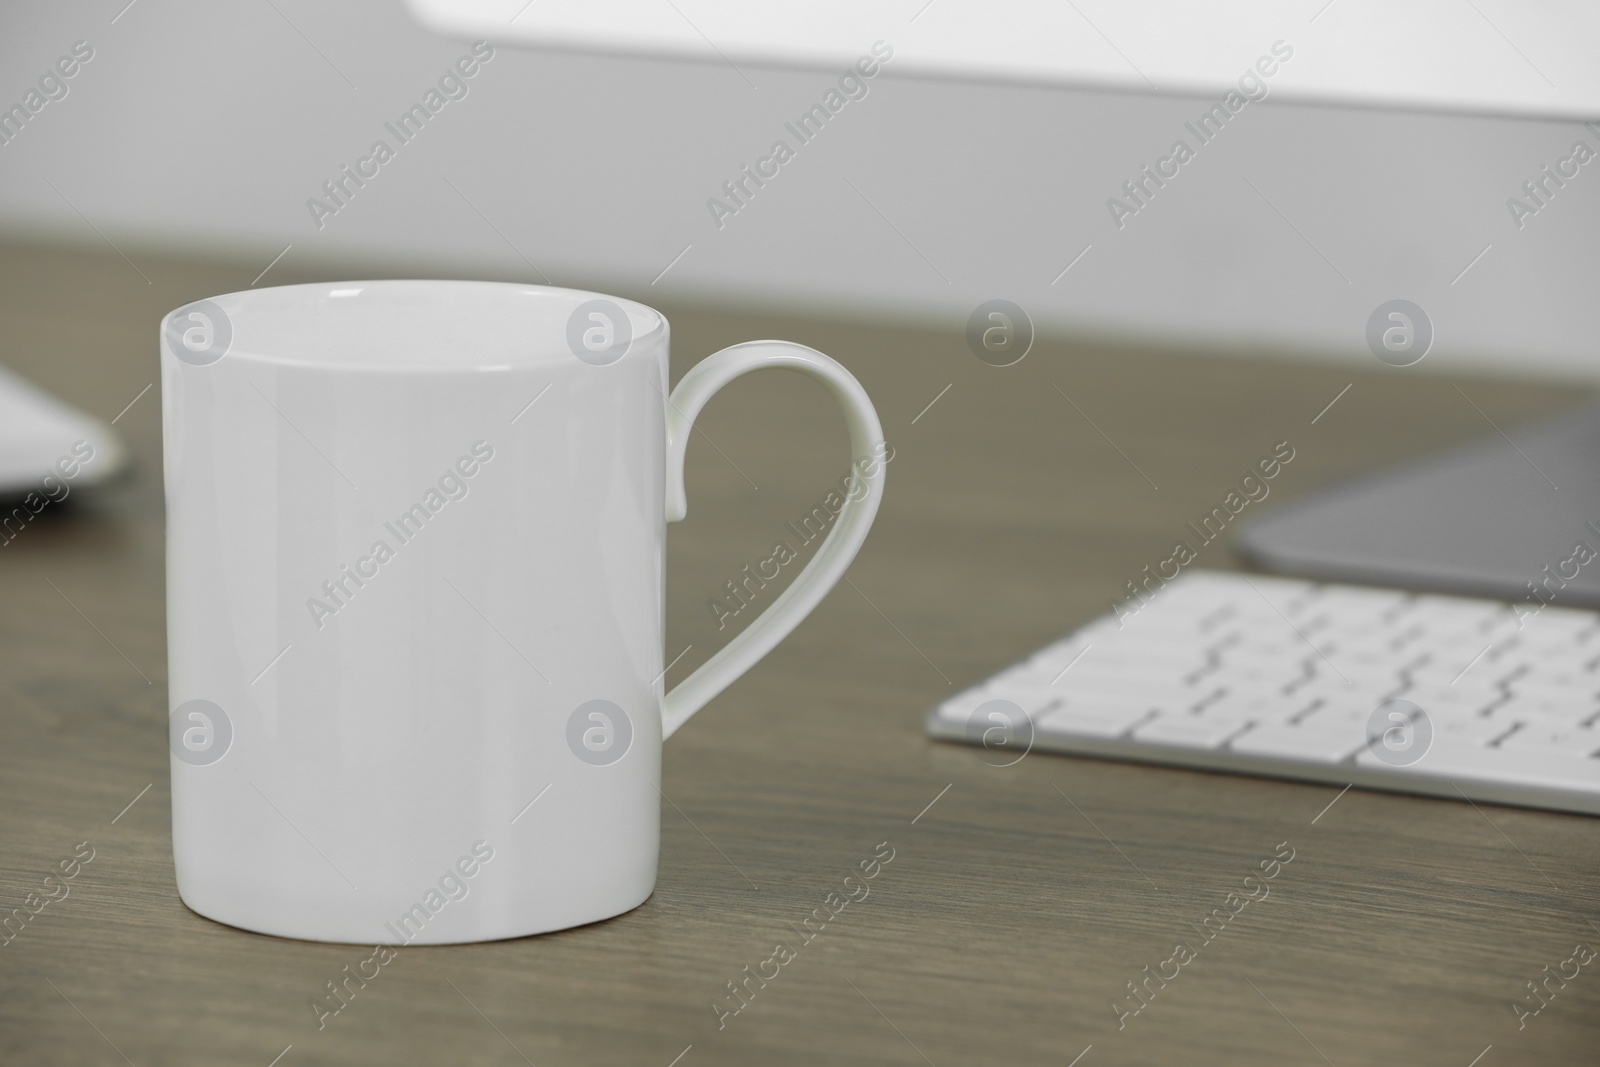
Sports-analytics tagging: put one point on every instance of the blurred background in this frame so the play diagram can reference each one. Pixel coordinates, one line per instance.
(918, 202)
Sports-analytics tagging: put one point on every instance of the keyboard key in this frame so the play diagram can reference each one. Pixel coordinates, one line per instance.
(1576, 742)
(1342, 709)
(1476, 728)
(1253, 708)
(1031, 699)
(959, 709)
(1189, 731)
(1558, 623)
(1554, 686)
(1461, 700)
(1091, 720)
(1123, 690)
(1548, 711)
(1323, 743)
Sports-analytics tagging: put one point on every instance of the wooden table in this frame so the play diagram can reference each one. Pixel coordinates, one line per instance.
(1009, 919)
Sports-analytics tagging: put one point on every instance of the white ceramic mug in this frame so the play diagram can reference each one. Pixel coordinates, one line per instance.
(415, 542)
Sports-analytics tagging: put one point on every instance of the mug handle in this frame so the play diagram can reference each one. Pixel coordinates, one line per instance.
(837, 549)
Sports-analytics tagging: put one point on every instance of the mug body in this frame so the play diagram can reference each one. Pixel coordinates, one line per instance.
(415, 540)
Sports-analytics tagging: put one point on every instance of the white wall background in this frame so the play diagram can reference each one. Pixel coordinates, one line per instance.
(208, 125)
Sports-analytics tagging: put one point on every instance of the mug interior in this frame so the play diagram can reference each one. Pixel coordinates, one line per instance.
(416, 325)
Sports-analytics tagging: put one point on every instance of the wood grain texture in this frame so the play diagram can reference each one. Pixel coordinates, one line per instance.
(1016, 907)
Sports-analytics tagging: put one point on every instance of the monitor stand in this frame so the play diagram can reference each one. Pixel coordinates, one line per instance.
(1510, 521)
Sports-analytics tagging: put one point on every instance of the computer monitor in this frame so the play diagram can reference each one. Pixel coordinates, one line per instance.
(1438, 55)
(1514, 520)
(1509, 519)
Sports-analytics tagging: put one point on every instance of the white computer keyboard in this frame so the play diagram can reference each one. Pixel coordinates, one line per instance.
(1447, 696)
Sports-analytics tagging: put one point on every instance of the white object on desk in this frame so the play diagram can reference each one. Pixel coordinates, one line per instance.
(406, 596)
(42, 437)
(1267, 676)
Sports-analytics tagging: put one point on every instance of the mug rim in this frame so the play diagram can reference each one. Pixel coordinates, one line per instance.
(248, 301)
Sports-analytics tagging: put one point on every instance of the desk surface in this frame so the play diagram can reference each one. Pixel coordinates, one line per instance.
(1009, 919)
